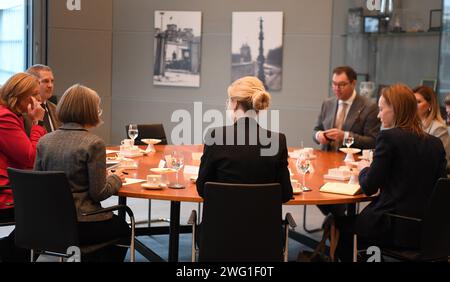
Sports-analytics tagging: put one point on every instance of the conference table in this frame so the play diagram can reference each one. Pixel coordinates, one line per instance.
(321, 163)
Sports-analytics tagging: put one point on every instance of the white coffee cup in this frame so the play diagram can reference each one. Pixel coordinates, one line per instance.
(154, 179)
(127, 142)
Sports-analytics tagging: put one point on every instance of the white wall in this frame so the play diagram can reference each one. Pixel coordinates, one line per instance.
(306, 62)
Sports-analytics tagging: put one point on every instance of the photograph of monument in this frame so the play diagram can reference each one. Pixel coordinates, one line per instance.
(177, 48)
(257, 47)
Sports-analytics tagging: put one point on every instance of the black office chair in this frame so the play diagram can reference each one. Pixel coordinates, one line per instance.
(46, 219)
(241, 222)
(434, 241)
(6, 221)
(154, 131)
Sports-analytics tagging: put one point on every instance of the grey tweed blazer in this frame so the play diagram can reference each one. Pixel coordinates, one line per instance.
(82, 156)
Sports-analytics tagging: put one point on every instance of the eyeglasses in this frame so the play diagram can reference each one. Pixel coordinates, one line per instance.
(340, 85)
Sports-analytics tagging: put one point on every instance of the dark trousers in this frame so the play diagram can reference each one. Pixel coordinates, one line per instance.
(91, 233)
(8, 250)
(344, 249)
(335, 210)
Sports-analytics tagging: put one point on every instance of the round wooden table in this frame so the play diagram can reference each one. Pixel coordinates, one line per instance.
(321, 164)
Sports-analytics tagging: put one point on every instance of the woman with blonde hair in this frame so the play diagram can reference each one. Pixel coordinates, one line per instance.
(17, 150)
(82, 156)
(430, 115)
(242, 158)
(406, 165)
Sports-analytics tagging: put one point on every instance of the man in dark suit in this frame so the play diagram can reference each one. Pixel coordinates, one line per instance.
(345, 114)
(46, 79)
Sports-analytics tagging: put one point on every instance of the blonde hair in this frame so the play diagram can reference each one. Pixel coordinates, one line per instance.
(249, 92)
(434, 112)
(16, 88)
(79, 104)
(404, 104)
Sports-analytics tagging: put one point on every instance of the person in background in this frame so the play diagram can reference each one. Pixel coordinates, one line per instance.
(406, 165)
(345, 114)
(246, 163)
(447, 108)
(82, 156)
(17, 150)
(46, 84)
(430, 115)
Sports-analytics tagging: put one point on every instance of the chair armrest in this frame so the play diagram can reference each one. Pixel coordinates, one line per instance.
(193, 218)
(403, 217)
(110, 209)
(289, 220)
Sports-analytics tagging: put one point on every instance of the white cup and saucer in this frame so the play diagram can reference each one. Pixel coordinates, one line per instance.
(154, 182)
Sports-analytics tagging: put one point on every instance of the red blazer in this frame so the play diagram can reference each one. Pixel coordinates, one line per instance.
(17, 150)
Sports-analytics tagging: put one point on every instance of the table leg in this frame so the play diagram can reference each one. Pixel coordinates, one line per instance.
(174, 230)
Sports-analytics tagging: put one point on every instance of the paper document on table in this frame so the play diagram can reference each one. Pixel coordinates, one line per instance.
(341, 188)
(129, 181)
(111, 151)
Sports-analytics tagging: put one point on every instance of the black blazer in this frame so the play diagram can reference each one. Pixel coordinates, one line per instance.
(405, 168)
(230, 162)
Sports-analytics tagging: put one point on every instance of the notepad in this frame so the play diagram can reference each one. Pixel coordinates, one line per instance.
(341, 188)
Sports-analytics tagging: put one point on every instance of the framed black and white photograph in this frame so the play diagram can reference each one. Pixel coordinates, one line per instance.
(177, 45)
(355, 20)
(257, 47)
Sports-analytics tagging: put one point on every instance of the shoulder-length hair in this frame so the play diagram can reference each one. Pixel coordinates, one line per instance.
(402, 100)
(434, 112)
(81, 105)
(17, 87)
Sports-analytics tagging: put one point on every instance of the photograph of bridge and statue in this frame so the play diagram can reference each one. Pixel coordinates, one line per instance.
(257, 47)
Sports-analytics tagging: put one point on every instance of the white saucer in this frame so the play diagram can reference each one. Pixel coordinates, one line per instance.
(350, 150)
(162, 170)
(151, 141)
(153, 186)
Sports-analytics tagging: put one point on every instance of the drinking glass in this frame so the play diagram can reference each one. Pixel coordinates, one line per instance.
(133, 131)
(303, 165)
(177, 162)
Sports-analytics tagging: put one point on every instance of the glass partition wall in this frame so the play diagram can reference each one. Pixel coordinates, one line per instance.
(388, 41)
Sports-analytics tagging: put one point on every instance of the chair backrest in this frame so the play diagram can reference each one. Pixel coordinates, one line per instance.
(435, 237)
(44, 210)
(155, 131)
(241, 222)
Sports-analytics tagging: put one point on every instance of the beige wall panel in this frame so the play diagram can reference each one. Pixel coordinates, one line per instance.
(94, 14)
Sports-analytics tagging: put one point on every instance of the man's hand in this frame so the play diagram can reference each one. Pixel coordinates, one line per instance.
(334, 134)
(322, 138)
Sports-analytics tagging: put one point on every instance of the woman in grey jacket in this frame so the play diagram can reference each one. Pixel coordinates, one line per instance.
(82, 156)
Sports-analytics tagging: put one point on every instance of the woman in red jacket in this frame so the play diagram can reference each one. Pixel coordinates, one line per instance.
(17, 150)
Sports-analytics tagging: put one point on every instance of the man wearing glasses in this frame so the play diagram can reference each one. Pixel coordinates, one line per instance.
(345, 114)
